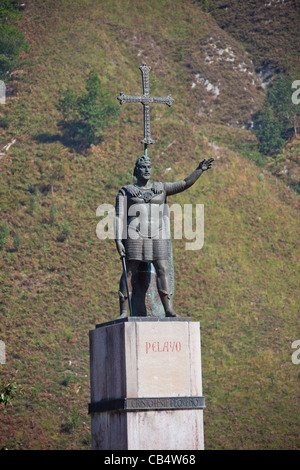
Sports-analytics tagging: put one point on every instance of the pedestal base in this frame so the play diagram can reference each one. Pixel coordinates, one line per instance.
(146, 386)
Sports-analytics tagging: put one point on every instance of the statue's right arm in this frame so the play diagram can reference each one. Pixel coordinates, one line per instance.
(179, 186)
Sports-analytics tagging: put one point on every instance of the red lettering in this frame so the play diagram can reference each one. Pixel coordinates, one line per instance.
(167, 346)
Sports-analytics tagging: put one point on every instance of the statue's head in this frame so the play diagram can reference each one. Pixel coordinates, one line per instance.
(142, 167)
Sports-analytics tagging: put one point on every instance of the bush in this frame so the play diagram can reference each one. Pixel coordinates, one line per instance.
(17, 241)
(8, 393)
(12, 41)
(4, 122)
(268, 130)
(4, 233)
(279, 97)
(86, 116)
(279, 117)
(65, 231)
(9, 9)
(53, 214)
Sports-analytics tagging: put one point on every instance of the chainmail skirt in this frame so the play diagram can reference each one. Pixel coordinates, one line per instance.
(146, 249)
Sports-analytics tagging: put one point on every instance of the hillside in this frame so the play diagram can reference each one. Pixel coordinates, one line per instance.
(243, 285)
(268, 30)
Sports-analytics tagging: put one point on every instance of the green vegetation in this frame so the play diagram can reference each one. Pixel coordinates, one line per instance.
(12, 41)
(268, 30)
(7, 393)
(279, 97)
(279, 118)
(65, 231)
(9, 9)
(17, 241)
(268, 130)
(4, 233)
(86, 116)
(58, 279)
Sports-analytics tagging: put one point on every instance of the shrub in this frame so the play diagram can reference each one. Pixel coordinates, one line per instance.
(8, 393)
(9, 9)
(279, 117)
(12, 41)
(4, 233)
(17, 241)
(53, 213)
(86, 116)
(4, 122)
(268, 130)
(65, 231)
(279, 97)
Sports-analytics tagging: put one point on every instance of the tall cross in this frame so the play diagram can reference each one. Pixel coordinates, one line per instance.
(145, 99)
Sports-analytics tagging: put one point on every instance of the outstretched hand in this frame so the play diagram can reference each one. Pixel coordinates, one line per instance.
(205, 164)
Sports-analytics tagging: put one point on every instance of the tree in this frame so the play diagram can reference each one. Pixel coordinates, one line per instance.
(279, 117)
(268, 131)
(85, 117)
(279, 96)
(12, 41)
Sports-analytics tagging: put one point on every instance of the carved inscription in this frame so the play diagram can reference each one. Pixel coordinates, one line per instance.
(166, 403)
(162, 346)
(145, 404)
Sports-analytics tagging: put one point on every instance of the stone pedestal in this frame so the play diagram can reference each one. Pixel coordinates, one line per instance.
(146, 385)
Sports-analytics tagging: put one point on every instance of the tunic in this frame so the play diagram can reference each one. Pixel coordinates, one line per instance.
(142, 220)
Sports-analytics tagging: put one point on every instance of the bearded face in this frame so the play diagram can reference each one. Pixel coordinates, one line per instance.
(143, 168)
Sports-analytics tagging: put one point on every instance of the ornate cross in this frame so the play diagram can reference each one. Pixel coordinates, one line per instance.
(145, 99)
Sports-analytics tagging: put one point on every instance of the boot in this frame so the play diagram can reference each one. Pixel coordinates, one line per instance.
(166, 300)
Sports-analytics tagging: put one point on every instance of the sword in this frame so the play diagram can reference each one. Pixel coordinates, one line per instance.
(126, 282)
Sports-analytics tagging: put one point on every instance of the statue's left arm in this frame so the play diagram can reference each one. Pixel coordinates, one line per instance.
(179, 186)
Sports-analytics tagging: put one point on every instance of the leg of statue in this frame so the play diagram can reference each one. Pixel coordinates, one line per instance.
(131, 266)
(164, 286)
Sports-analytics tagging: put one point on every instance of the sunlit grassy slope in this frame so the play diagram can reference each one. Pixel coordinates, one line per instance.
(242, 286)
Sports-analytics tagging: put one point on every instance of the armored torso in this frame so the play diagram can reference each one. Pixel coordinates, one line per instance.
(143, 220)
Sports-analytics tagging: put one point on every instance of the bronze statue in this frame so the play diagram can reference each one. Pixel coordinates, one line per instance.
(135, 211)
(142, 224)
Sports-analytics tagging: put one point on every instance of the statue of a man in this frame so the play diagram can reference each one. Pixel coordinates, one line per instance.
(141, 232)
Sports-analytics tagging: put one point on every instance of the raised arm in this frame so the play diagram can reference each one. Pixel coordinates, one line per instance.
(179, 186)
